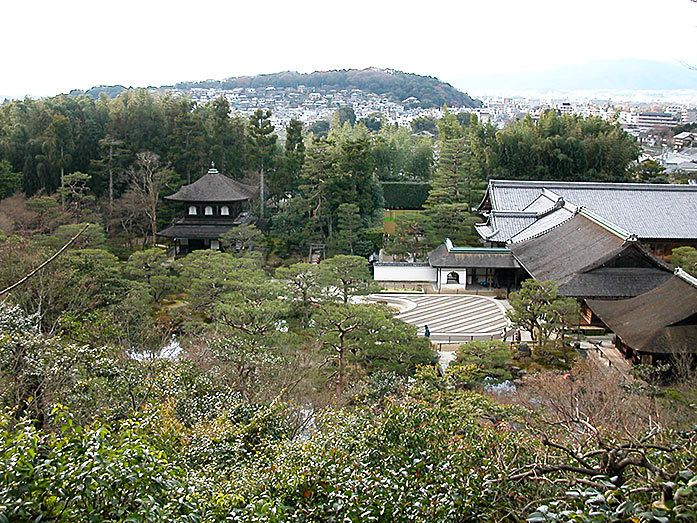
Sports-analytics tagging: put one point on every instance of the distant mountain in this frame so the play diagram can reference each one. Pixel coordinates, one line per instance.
(601, 74)
(395, 85)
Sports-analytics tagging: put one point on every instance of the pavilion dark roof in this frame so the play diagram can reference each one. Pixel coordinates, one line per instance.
(204, 228)
(566, 249)
(613, 282)
(591, 259)
(214, 187)
(189, 231)
(475, 257)
(661, 321)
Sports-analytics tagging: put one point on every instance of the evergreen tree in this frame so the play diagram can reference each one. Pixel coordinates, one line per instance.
(454, 189)
(262, 148)
(286, 180)
(347, 228)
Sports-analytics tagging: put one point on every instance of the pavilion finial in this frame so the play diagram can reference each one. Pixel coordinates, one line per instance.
(212, 164)
(212, 170)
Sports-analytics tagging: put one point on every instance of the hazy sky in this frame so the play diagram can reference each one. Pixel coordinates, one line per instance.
(48, 47)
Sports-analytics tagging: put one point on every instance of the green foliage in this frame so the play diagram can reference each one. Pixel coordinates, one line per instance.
(150, 266)
(539, 309)
(344, 239)
(92, 238)
(344, 276)
(685, 257)
(208, 275)
(405, 195)
(424, 123)
(320, 128)
(607, 501)
(285, 181)
(648, 170)
(97, 472)
(303, 285)
(338, 170)
(489, 359)
(566, 147)
(344, 115)
(10, 181)
(450, 220)
(398, 155)
(262, 140)
(243, 240)
(366, 338)
(407, 241)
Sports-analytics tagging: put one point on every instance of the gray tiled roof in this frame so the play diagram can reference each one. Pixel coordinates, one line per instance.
(214, 187)
(502, 225)
(545, 212)
(649, 211)
(543, 224)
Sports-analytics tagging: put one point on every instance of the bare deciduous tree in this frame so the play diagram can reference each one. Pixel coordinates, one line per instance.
(148, 177)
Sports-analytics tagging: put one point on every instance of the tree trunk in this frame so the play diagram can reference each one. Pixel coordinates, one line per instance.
(261, 191)
(111, 186)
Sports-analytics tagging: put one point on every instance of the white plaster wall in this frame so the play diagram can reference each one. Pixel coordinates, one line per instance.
(462, 273)
(404, 273)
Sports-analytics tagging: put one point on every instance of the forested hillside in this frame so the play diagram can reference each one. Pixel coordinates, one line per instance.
(395, 85)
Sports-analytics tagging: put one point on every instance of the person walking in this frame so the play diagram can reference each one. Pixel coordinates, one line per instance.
(427, 332)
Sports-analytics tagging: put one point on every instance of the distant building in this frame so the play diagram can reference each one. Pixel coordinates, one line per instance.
(683, 139)
(213, 205)
(565, 108)
(649, 119)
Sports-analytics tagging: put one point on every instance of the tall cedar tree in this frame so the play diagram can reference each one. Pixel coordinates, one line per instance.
(263, 145)
(452, 193)
(286, 180)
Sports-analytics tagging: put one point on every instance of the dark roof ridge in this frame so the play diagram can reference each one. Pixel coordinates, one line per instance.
(214, 187)
(628, 244)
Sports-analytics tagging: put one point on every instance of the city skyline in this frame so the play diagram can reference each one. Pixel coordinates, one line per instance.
(52, 48)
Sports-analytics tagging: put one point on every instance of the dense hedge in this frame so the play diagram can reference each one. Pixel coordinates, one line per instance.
(405, 195)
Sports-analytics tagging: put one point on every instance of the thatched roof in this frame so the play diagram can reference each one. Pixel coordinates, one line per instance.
(661, 321)
(214, 187)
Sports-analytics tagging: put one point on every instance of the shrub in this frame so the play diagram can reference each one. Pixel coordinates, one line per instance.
(490, 358)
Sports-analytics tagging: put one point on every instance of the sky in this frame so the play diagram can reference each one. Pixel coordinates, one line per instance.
(50, 47)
